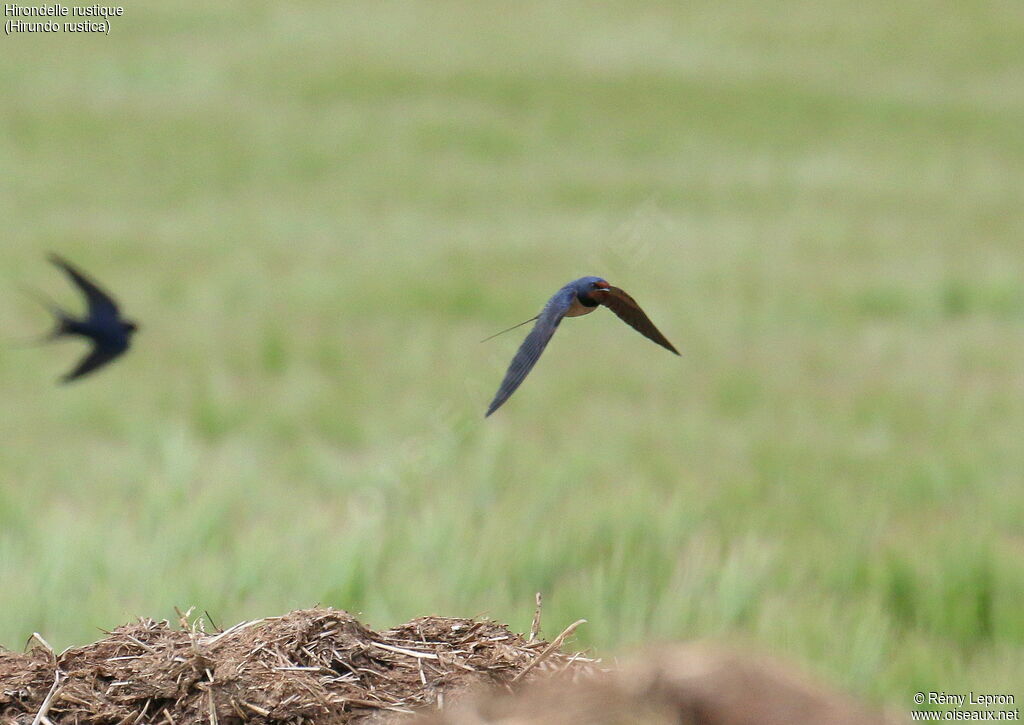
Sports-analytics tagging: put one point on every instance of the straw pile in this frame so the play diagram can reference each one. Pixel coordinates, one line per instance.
(317, 665)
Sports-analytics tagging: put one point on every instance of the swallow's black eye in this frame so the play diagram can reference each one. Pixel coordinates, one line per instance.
(593, 285)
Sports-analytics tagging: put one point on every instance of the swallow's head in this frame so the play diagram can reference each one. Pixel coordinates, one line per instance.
(587, 287)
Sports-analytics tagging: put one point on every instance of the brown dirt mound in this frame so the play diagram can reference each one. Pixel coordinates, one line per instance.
(689, 684)
(312, 665)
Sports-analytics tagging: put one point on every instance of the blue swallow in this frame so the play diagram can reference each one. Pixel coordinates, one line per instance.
(580, 297)
(103, 325)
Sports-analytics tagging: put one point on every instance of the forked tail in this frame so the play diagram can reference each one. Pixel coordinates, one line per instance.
(63, 322)
(509, 329)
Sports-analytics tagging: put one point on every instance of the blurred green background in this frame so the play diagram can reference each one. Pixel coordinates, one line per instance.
(318, 209)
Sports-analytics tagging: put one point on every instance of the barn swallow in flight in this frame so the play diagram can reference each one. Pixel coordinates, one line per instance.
(103, 325)
(580, 297)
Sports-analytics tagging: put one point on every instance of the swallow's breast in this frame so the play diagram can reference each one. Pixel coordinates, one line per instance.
(577, 308)
(105, 336)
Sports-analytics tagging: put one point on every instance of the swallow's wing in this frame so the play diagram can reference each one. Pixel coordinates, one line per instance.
(101, 305)
(534, 344)
(629, 312)
(97, 358)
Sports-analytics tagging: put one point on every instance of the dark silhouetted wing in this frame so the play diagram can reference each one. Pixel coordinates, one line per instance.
(101, 305)
(97, 358)
(629, 312)
(534, 344)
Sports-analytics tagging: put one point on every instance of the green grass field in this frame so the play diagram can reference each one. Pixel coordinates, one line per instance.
(317, 210)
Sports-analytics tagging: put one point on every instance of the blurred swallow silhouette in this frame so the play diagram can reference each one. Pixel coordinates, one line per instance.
(103, 325)
(580, 297)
